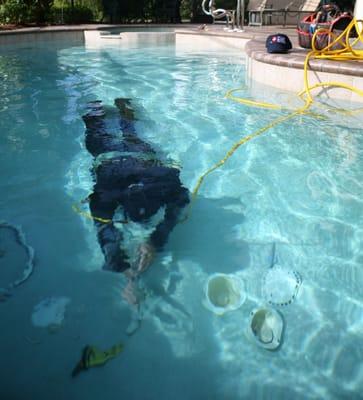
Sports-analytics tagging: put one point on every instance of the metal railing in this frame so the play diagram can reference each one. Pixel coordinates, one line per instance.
(234, 18)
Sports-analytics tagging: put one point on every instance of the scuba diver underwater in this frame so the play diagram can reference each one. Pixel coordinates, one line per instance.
(132, 187)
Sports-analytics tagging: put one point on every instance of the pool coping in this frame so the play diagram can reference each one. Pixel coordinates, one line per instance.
(296, 59)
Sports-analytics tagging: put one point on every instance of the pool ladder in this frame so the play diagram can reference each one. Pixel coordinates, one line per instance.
(235, 18)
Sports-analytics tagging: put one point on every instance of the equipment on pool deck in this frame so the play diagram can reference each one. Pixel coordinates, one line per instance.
(328, 20)
(265, 328)
(93, 357)
(224, 293)
(278, 43)
(235, 18)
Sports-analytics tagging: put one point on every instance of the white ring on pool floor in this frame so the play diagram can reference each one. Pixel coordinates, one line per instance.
(280, 285)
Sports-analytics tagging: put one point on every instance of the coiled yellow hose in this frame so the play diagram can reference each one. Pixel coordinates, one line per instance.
(345, 51)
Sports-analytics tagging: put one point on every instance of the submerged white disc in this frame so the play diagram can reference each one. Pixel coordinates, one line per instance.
(224, 292)
(265, 328)
(50, 311)
(280, 286)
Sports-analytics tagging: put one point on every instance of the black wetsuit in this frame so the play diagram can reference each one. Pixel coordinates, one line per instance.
(129, 175)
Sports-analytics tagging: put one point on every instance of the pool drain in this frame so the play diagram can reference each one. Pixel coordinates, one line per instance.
(280, 286)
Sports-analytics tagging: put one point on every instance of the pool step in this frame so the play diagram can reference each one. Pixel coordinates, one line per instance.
(144, 37)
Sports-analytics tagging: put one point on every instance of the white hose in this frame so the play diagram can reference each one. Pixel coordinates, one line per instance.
(29, 266)
(358, 13)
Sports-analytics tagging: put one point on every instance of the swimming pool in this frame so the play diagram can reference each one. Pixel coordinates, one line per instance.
(299, 187)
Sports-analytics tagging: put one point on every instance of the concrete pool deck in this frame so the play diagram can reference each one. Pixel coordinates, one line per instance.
(282, 71)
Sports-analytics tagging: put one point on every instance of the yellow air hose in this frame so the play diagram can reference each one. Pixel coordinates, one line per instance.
(345, 52)
(88, 215)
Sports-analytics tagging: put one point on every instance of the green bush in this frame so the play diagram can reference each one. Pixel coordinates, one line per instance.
(24, 11)
(83, 11)
(14, 12)
(67, 15)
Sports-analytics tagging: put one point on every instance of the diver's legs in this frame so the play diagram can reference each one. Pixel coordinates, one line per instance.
(109, 237)
(131, 140)
(110, 240)
(127, 116)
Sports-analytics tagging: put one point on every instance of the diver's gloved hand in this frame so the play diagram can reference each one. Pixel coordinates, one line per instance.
(146, 255)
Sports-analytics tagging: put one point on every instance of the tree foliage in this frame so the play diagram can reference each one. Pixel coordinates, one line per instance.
(142, 10)
(114, 11)
(23, 11)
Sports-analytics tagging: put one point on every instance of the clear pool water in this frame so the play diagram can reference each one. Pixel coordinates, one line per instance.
(299, 187)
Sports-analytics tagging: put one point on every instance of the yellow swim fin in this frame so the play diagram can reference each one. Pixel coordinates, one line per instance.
(93, 357)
